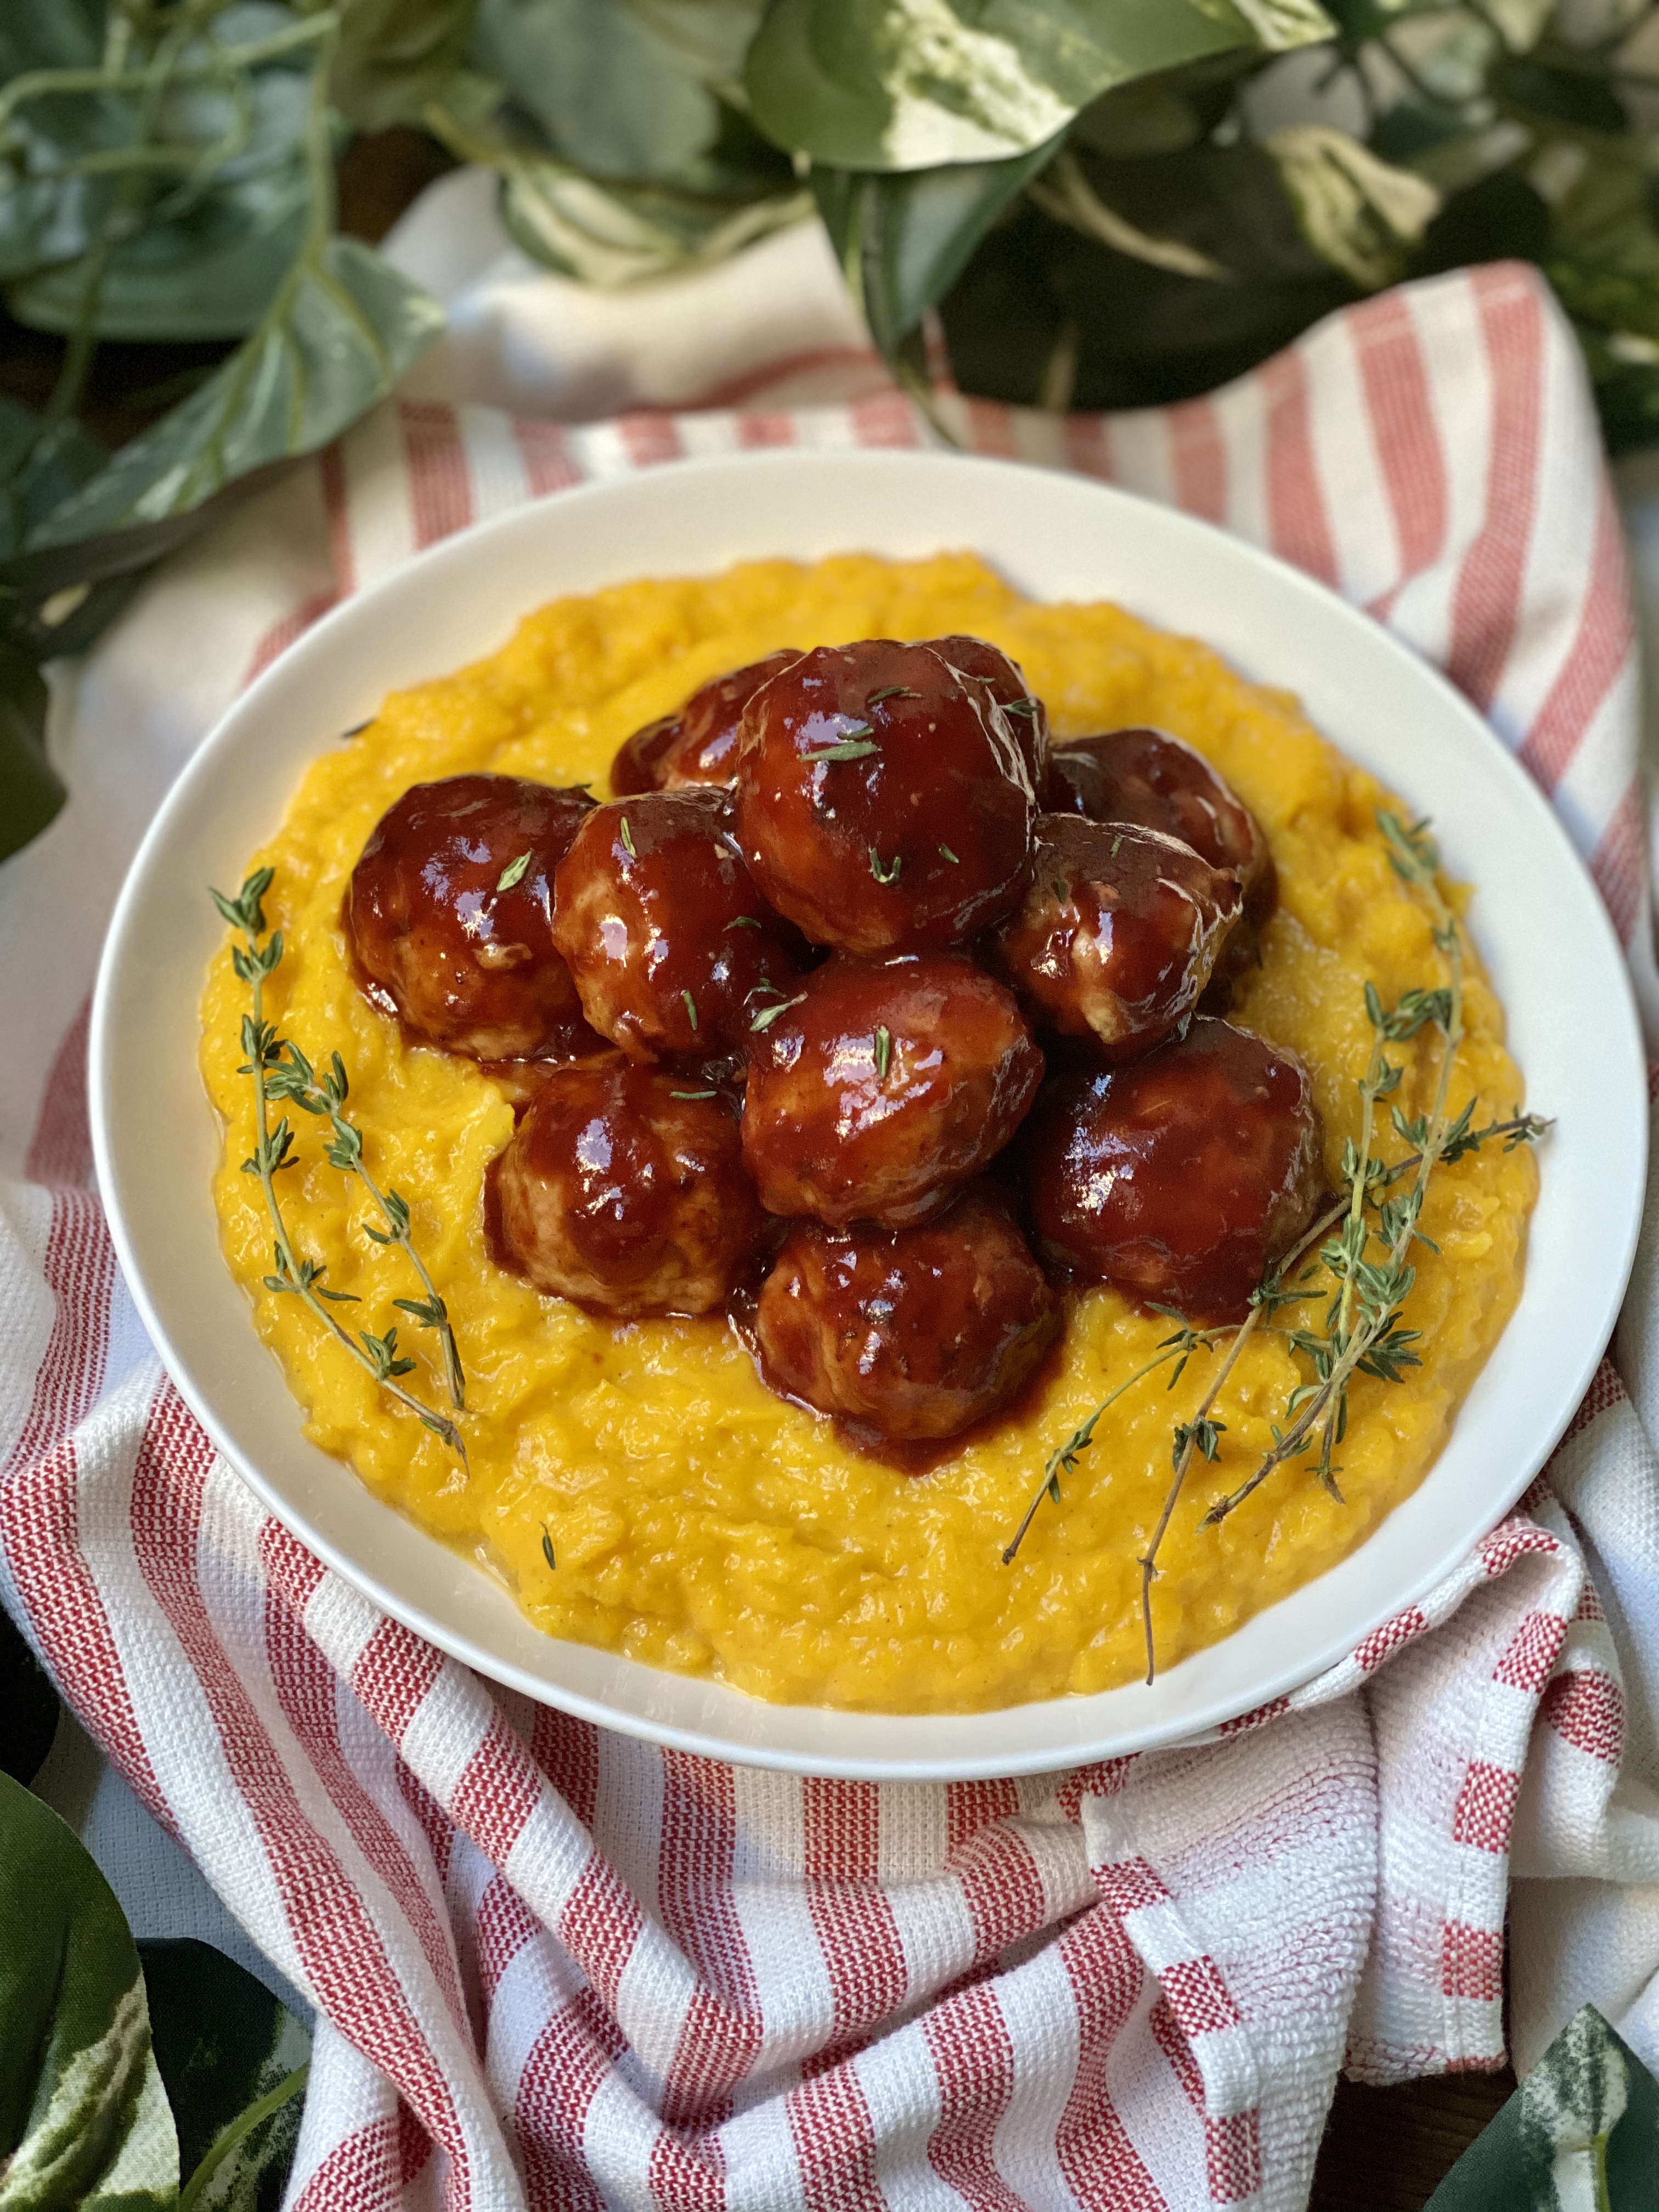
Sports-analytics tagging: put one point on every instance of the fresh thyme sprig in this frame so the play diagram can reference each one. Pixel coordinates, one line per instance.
(295, 1079)
(1180, 1347)
(273, 1151)
(1363, 1332)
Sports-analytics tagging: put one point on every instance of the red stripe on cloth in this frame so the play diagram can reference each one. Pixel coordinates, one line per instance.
(973, 2056)
(60, 1151)
(1600, 652)
(1529, 1657)
(600, 1926)
(1198, 458)
(1232, 2157)
(766, 428)
(1258, 1716)
(370, 2169)
(1619, 864)
(851, 1914)
(544, 450)
(1127, 1885)
(440, 484)
(1088, 445)
(307, 1687)
(498, 1791)
(1393, 1636)
(1232, 2143)
(1471, 1962)
(737, 389)
(332, 1929)
(1485, 1812)
(393, 1674)
(1404, 429)
(1590, 1603)
(971, 1806)
(503, 1926)
(435, 1824)
(648, 437)
(1101, 2166)
(1498, 1553)
(567, 1751)
(567, 2062)
(1001, 1887)
(38, 1528)
(79, 1267)
(991, 429)
(687, 2173)
(1587, 1710)
(337, 510)
(835, 2142)
(284, 630)
(886, 418)
(1299, 528)
(1487, 599)
(722, 2028)
(1198, 1995)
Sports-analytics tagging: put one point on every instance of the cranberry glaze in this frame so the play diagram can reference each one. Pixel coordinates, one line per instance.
(1181, 1178)
(1150, 777)
(624, 1194)
(882, 801)
(449, 915)
(1118, 931)
(914, 1332)
(698, 744)
(659, 922)
(884, 1087)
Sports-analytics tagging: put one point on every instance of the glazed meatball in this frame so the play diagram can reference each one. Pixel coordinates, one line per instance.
(449, 916)
(626, 1195)
(883, 800)
(1027, 716)
(1181, 1178)
(1118, 931)
(1150, 777)
(883, 1088)
(699, 744)
(912, 1331)
(659, 921)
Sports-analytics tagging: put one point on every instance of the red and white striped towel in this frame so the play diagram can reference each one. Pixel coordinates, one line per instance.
(554, 1968)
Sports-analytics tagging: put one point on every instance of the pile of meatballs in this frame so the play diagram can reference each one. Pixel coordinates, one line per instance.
(864, 1013)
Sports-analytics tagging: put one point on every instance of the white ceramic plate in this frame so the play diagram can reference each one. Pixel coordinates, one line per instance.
(1536, 919)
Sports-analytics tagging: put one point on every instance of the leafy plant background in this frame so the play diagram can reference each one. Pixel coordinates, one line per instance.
(1088, 202)
(127, 2068)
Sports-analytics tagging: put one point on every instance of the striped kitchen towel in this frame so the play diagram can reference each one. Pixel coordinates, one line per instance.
(555, 1967)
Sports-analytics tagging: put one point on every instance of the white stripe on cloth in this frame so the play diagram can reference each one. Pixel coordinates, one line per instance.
(556, 1967)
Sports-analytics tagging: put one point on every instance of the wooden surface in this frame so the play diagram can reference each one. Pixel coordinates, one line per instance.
(1384, 2150)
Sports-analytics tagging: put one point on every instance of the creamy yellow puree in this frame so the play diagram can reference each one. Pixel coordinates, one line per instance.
(698, 1521)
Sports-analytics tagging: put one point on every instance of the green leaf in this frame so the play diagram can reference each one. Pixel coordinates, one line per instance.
(344, 326)
(84, 2123)
(217, 215)
(1040, 289)
(613, 96)
(903, 240)
(612, 234)
(1582, 2130)
(394, 56)
(892, 84)
(31, 791)
(224, 2046)
(1362, 214)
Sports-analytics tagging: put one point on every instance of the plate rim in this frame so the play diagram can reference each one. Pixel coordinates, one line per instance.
(456, 550)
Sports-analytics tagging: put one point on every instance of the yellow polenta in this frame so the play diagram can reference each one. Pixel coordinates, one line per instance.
(698, 1521)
